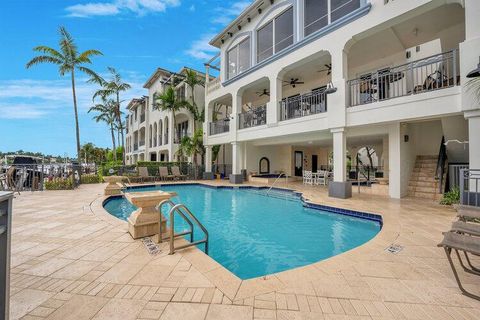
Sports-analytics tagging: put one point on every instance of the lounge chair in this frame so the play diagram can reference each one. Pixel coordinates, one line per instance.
(467, 212)
(144, 175)
(177, 174)
(468, 244)
(164, 175)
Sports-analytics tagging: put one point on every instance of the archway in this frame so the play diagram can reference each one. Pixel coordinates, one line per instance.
(264, 166)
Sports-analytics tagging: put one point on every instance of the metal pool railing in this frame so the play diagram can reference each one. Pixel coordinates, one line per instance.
(470, 187)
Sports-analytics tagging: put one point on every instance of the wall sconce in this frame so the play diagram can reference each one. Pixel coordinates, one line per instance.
(330, 88)
(230, 34)
(259, 10)
(239, 27)
(475, 72)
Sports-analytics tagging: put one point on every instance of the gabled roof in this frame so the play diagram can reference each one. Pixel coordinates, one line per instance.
(157, 74)
(249, 13)
(136, 101)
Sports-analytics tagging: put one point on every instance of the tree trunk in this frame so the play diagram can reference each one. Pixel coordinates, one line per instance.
(121, 128)
(113, 142)
(77, 127)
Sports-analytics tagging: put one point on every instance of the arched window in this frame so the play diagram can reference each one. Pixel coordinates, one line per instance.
(264, 166)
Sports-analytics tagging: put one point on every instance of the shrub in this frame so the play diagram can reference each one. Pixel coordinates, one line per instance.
(152, 166)
(59, 184)
(451, 197)
(91, 178)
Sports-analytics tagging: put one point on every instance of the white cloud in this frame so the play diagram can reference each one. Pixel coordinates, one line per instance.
(114, 7)
(192, 8)
(200, 49)
(33, 99)
(225, 15)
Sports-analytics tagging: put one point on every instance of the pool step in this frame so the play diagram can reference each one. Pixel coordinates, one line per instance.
(276, 194)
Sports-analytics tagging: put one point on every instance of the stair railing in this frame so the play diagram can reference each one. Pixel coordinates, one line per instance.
(441, 162)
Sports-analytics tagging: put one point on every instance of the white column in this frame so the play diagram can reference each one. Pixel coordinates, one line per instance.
(385, 157)
(339, 155)
(236, 157)
(337, 101)
(275, 96)
(474, 138)
(236, 109)
(171, 134)
(394, 161)
(208, 159)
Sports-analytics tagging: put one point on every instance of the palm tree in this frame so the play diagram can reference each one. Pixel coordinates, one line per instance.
(192, 80)
(192, 147)
(106, 112)
(168, 101)
(113, 88)
(68, 60)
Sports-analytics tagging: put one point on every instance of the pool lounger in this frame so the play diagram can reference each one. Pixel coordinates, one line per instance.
(467, 212)
(461, 239)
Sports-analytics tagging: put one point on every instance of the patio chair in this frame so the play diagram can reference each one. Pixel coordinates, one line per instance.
(177, 175)
(144, 175)
(164, 175)
(466, 243)
(307, 177)
(467, 212)
(321, 178)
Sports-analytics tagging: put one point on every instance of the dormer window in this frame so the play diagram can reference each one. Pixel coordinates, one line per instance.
(239, 58)
(275, 36)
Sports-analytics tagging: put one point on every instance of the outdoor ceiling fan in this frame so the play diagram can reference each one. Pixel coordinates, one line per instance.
(328, 69)
(293, 82)
(265, 92)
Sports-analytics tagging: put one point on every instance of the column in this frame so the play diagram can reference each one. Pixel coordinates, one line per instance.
(208, 175)
(385, 156)
(171, 135)
(273, 107)
(237, 156)
(236, 108)
(394, 161)
(474, 138)
(339, 187)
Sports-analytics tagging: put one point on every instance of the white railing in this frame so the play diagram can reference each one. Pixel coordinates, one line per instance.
(213, 85)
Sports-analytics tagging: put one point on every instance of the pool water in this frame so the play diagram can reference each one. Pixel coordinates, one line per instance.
(252, 234)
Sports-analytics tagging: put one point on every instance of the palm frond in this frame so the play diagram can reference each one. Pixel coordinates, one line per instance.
(49, 51)
(92, 74)
(84, 57)
(43, 59)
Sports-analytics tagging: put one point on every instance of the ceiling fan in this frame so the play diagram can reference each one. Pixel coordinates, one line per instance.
(328, 69)
(265, 92)
(293, 82)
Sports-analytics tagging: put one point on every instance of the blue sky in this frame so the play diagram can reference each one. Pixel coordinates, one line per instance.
(135, 36)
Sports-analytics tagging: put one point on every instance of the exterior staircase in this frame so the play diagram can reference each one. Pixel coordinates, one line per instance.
(422, 182)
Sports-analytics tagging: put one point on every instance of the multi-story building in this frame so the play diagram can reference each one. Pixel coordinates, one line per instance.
(306, 84)
(154, 134)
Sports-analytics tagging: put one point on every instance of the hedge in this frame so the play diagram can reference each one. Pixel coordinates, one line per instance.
(91, 178)
(59, 184)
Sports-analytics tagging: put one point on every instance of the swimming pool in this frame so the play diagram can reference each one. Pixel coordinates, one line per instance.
(252, 234)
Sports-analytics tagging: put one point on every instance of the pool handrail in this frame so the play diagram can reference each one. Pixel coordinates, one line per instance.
(160, 231)
(178, 208)
(273, 184)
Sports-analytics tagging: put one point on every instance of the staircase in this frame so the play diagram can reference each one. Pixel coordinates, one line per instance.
(422, 182)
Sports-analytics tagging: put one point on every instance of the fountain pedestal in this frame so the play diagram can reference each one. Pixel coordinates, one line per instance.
(143, 222)
(114, 187)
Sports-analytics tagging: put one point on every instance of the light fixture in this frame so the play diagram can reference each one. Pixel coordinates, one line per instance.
(475, 72)
(249, 19)
(239, 27)
(330, 88)
(259, 10)
(230, 34)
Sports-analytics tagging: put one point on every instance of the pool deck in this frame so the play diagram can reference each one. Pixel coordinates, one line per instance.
(72, 260)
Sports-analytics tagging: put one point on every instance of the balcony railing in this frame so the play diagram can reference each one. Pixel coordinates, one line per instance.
(303, 105)
(433, 73)
(219, 126)
(142, 143)
(165, 137)
(135, 146)
(214, 85)
(253, 118)
(142, 118)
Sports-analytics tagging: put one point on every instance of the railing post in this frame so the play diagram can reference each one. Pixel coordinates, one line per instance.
(454, 67)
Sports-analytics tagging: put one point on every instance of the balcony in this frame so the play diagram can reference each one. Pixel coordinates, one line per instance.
(213, 85)
(142, 143)
(253, 118)
(142, 118)
(135, 146)
(220, 126)
(425, 75)
(303, 105)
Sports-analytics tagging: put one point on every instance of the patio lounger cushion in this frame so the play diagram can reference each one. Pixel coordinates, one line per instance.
(465, 227)
(177, 174)
(163, 171)
(143, 173)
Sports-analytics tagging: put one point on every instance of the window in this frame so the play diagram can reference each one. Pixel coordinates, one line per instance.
(239, 58)
(317, 14)
(275, 35)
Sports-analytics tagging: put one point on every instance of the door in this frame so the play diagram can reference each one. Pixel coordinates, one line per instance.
(314, 163)
(298, 163)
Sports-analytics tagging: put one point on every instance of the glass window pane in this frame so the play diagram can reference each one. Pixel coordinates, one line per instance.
(232, 62)
(341, 8)
(316, 15)
(265, 42)
(284, 30)
(244, 55)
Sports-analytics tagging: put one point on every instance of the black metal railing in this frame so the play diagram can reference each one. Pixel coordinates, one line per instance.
(253, 118)
(219, 126)
(135, 146)
(303, 105)
(142, 118)
(142, 143)
(441, 164)
(433, 73)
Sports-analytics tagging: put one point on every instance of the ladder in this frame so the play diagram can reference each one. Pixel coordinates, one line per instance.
(189, 218)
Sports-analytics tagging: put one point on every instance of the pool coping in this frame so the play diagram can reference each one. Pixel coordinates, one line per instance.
(234, 287)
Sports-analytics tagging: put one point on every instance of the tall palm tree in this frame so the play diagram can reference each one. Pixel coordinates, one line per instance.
(168, 101)
(113, 87)
(192, 80)
(192, 147)
(106, 112)
(68, 60)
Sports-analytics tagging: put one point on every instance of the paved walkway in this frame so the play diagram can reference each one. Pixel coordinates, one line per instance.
(70, 261)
